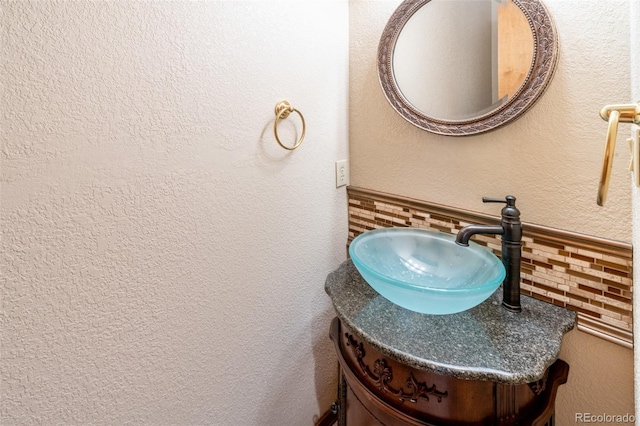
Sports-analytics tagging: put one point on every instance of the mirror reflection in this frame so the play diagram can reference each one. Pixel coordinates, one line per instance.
(446, 71)
(460, 59)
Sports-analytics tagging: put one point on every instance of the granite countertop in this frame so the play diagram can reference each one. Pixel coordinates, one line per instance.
(484, 343)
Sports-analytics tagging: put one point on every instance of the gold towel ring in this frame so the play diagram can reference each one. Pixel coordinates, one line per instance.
(612, 134)
(283, 109)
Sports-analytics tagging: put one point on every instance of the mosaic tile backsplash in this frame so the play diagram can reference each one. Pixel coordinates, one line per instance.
(589, 275)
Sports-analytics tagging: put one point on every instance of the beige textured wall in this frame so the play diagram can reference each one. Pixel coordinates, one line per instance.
(549, 159)
(163, 260)
(600, 378)
(634, 46)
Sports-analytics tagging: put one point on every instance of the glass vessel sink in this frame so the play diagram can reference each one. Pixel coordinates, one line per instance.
(426, 271)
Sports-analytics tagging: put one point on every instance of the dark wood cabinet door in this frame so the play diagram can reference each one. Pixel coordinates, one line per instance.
(382, 391)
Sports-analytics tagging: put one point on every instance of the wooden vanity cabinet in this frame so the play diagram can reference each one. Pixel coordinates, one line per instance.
(376, 390)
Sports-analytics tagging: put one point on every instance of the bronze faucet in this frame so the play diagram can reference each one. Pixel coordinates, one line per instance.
(511, 230)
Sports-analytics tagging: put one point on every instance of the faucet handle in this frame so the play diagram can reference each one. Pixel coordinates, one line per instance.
(510, 211)
(509, 200)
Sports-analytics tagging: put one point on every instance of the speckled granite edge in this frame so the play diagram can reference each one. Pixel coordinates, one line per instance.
(483, 343)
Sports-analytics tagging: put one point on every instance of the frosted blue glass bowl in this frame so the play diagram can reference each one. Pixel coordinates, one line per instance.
(426, 271)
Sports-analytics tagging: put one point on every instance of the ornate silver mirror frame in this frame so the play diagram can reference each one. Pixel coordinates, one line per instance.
(545, 56)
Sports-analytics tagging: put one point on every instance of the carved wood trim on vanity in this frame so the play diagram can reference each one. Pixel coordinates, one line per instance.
(382, 374)
(375, 392)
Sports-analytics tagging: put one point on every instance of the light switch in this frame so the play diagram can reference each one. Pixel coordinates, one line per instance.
(342, 173)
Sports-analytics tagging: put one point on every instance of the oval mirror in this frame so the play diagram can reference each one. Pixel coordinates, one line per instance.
(462, 67)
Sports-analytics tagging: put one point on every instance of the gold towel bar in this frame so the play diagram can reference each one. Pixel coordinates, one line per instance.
(614, 114)
(629, 113)
(283, 109)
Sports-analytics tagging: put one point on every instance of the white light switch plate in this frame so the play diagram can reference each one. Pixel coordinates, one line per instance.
(342, 173)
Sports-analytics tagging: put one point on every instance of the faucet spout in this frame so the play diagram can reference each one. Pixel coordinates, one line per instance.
(467, 232)
(511, 230)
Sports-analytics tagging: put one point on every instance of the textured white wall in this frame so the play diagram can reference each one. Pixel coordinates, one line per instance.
(163, 260)
(550, 159)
